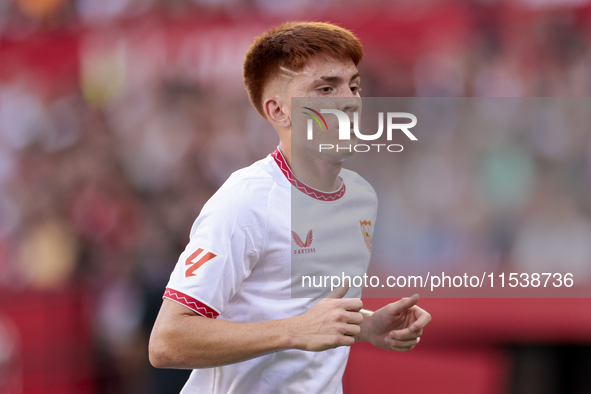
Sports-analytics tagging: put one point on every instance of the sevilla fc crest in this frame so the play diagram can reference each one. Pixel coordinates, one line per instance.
(366, 231)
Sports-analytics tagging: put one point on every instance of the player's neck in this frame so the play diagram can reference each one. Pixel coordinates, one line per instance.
(313, 171)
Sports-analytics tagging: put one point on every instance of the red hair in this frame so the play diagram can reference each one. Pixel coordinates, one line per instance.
(291, 45)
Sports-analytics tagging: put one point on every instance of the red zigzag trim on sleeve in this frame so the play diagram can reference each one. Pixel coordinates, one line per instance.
(190, 302)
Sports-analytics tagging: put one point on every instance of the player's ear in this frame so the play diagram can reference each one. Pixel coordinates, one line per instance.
(276, 112)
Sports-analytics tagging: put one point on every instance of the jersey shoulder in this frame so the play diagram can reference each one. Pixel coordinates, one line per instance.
(243, 198)
(251, 182)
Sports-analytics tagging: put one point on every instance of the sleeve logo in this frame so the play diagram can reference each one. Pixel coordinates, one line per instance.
(196, 260)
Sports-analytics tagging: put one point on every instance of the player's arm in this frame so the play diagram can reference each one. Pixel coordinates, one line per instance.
(182, 338)
(396, 326)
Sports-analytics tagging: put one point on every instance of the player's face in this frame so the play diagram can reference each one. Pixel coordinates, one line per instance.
(326, 77)
(338, 82)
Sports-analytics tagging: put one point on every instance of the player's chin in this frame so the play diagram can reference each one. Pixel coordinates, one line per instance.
(342, 155)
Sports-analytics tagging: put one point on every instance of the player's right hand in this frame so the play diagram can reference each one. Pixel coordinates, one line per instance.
(332, 322)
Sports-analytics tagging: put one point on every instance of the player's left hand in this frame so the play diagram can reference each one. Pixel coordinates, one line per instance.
(396, 326)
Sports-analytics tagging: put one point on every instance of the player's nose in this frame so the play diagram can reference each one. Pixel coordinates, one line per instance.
(349, 104)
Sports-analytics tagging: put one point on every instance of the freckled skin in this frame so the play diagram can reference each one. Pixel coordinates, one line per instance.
(322, 77)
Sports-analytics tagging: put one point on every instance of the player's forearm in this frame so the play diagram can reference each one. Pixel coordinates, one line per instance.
(198, 342)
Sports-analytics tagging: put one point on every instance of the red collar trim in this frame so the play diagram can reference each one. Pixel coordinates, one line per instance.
(314, 193)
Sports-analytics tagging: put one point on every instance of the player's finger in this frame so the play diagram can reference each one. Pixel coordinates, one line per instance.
(352, 304)
(423, 318)
(353, 318)
(402, 304)
(351, 329)
(405, 334)
(344, 340)
(397, 344)
(339, 292)
(404, 348)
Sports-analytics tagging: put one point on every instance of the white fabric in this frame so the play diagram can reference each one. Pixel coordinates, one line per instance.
(246, 227)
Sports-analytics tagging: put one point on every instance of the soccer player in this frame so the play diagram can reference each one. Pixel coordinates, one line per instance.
(227, 312)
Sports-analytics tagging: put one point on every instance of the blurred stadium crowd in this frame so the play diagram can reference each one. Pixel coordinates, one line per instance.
(497, 183)
(119, 118)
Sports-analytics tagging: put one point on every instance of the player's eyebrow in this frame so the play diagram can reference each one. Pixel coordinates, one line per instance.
(338, 79)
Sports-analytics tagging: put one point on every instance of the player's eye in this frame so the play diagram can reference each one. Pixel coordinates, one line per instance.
(355, 89)
(325, 89)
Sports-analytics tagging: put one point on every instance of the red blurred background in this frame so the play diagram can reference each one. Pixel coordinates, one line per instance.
(120, 118)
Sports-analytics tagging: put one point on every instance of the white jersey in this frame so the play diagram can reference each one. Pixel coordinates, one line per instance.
(238, 266)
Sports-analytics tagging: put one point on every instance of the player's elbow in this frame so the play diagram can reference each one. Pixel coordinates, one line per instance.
(166, 351)
(160, 352)
(159, 357)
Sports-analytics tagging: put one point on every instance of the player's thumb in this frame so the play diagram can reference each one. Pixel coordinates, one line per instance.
(403, 304)
(339, 292)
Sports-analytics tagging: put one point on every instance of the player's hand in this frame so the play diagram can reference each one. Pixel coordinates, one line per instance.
(332, 322)
(397, 326)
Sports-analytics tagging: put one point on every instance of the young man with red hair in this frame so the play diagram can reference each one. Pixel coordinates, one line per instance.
(227, 312)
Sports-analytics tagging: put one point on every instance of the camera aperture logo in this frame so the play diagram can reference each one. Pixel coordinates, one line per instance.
(316, 119)
(345, 126)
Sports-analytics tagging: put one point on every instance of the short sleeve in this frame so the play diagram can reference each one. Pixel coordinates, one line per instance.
(225, 244)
